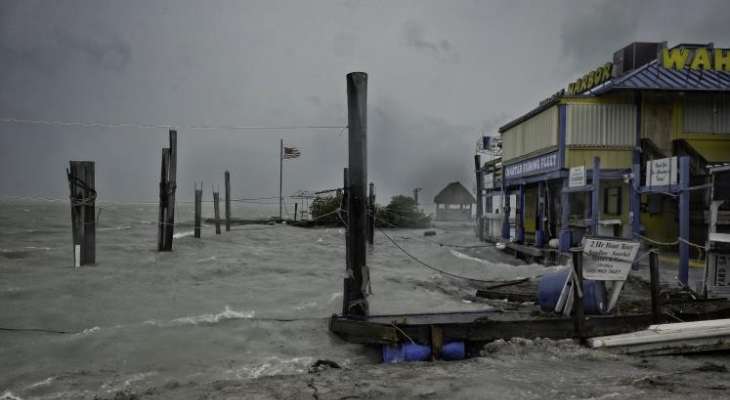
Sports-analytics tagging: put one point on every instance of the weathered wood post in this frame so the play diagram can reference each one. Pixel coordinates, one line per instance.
(596, 196)
(162, 220)
(371, 214)
(198, 208)
(343, 210)
(684, 220)
(228, 201)
(656, 310)
(357, 303)
(171, 187)
(168, 186)
(480, 194)
(578, 307)
(216, 213)
(296, 210)
(83, 213)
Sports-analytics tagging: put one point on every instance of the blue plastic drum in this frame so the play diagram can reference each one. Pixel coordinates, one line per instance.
(551, 284)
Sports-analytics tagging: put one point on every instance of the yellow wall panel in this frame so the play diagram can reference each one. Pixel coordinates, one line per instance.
(610, 158)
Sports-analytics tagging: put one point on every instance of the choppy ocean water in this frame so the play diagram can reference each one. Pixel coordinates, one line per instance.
(205, 311)
(204, 321)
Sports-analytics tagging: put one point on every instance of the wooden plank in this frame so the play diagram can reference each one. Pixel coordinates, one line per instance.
(485, 330)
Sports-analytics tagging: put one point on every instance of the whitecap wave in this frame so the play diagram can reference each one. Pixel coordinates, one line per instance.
(44, 382)
(114, 228)
(274, 366)
(204, 319)
(183, 234)
(8, 395)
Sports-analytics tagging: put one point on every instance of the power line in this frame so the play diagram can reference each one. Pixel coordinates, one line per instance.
(140, 125)
(416, 259)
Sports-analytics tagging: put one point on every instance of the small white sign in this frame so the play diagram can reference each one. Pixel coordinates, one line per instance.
(661, 172)
(489, 181)
(577, 176)
(608, 259)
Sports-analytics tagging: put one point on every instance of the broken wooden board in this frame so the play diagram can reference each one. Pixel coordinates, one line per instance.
(677, 338)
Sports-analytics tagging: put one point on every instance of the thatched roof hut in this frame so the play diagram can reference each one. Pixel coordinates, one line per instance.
(454, 193)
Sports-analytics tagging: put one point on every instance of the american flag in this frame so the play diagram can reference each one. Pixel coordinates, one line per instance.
(291, 152)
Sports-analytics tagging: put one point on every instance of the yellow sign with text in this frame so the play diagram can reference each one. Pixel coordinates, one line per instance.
(591, 79)
(701, 58)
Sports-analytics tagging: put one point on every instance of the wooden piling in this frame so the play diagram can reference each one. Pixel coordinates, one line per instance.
(578, 306)
(343, 214)
(357, 201)
(198, 209)
(228, 201)
(168, 173)
(216, 213)
(162, 219)
(171, 187)
(371, 214)
(480, 194)
(296, 210)
(83, 211)
(656, 310)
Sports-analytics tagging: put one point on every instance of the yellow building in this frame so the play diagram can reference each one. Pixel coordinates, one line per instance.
(651, 103)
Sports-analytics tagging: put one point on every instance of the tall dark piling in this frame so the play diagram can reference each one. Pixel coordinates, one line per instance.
(356, 293)
(168, 185)
(216, 213)
(656, 309)
(578, 306)
(480, 194)
(228, 201)
(198, 209)
(83, 212)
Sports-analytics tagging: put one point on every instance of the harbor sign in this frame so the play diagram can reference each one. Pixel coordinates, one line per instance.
(608, 259)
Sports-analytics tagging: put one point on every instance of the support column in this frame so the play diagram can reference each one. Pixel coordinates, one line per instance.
(565, 235)
(506, 211)
(198, 209)
(520, 217)
(684, 219)
(480, 196)
(540, 231)
(596, 196)
(371, 214)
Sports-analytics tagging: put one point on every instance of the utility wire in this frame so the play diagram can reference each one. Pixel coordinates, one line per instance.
(416, 259)
(138, 125)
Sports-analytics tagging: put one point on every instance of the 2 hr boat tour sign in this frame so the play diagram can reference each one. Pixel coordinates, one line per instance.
(608, 259)
(544, 163)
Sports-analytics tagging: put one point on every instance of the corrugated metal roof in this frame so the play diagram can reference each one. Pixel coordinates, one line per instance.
(652, 76)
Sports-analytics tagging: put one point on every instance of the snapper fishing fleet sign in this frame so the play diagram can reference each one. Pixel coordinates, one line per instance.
(608, 259)
(544, 163)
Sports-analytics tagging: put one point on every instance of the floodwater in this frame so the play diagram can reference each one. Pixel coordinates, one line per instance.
(244, 315)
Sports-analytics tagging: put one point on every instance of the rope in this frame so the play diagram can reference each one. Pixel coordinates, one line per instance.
(416, 259)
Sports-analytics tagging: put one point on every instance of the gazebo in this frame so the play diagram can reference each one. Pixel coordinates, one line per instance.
(453, 203)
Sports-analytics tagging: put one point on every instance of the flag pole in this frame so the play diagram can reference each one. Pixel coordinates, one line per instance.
(281, 177)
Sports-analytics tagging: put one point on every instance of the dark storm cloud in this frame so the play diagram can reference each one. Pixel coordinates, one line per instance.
(594, 29)
(441, 74)
(416, 37)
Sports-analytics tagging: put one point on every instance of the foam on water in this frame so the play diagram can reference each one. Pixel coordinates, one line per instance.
(226, 314)
(183, 234)
(274, 366)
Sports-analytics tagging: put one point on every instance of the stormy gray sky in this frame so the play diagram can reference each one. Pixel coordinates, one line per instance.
(441, 73)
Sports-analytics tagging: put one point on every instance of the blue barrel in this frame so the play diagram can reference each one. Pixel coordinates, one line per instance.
(453, 351)
(395, 353)
(551, 284)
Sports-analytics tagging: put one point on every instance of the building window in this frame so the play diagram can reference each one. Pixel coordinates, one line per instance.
(612, 200)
